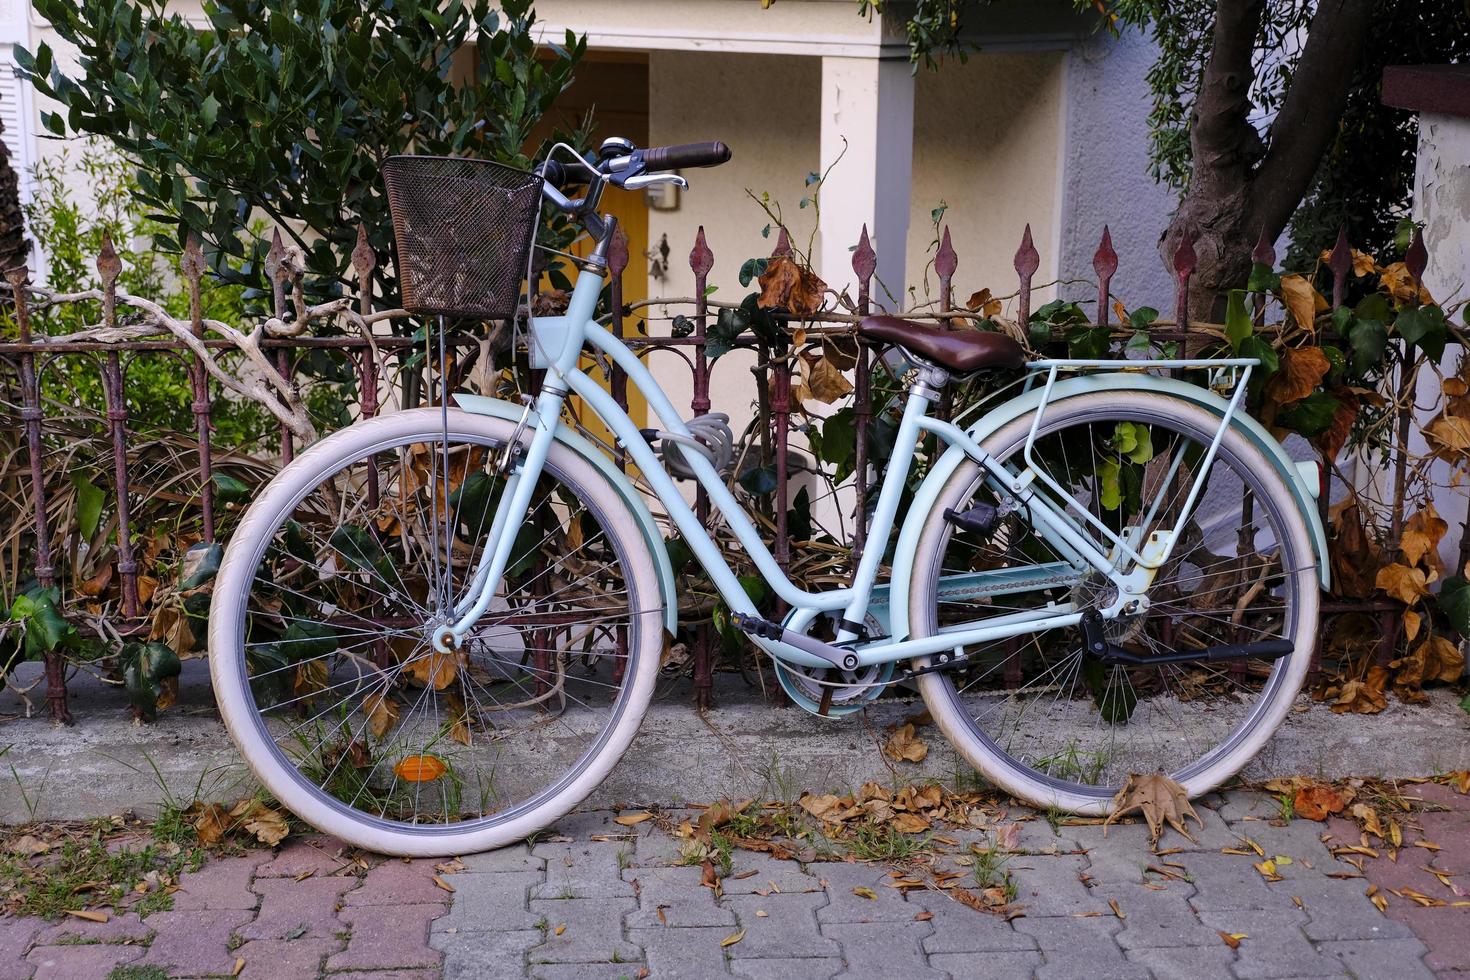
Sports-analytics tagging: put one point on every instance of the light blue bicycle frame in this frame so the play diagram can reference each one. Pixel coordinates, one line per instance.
(557, 344)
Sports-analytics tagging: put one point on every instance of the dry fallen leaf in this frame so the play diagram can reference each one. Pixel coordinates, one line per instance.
(863, 891)
(633, 819)
(1317, 801)
(1232, 939)
(561, 928)
(733, 938)
(904, 746)
(1158, 799)
(89, 915)
(239, 966)
(443, 884)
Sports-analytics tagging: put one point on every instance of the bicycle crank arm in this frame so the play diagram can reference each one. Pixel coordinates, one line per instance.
(1096, 645)
(767, 630)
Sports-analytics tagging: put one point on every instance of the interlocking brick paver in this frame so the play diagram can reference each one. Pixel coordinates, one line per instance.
(986, 966)
(1444, 930)
(490, 902)
(957, 928)
(845, 905)
(388, 936)
(291, 909)
(223, 883)
(1231, 881)
(517, 857)
(117, 929)
(883, 952)
(784, 968)
(81, 962)
(677, 894)
(16, 936)
(1183, 961)
(386, 975)
(485, 955)
(584, 869)
(1161, 918)
(399, 883)
(1274, 944)
(316, 854)
(788, 929)
(1052, 885)
(785, 876)
(193, 943)
(593, 933)
(687, 953)
(285, 959)
(1401, 959)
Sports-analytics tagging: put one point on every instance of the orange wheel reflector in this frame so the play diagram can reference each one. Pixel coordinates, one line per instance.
(420, 769)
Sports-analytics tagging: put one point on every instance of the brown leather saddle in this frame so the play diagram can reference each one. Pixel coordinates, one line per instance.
(961, 351)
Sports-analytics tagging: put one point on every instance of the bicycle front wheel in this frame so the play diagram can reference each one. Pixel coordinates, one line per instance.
(1058, 728)
(326, 601)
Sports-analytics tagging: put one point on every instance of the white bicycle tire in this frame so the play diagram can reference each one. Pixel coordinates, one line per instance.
(232, 588)
(997, 767)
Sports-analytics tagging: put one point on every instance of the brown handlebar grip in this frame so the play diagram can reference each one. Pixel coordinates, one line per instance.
(685, 155)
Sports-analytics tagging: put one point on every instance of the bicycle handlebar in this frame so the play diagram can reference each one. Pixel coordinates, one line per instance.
(710, 154)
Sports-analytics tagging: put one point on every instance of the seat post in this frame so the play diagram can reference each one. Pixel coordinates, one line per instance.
(929, 379)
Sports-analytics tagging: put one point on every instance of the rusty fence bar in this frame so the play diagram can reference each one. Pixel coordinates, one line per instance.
(30, 355)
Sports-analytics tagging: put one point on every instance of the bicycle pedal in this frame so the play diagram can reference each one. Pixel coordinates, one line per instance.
(980, 518)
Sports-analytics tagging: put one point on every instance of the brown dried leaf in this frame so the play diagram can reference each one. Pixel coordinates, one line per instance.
(436, 668)
(1363, 697)
(1158, 799)
(1421, 537)
(382, 713)
(789, 286)
(1317, 801)
(1407, 585)
(904, 746)
(1302, 370)
(1302, 299)
(910, 823)
(826, 382)
(632, 819)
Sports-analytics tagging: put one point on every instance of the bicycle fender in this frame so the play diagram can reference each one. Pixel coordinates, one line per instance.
(500, 409)
(1025, 404)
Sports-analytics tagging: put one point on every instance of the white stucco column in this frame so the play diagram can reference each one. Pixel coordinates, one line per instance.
(867, 122)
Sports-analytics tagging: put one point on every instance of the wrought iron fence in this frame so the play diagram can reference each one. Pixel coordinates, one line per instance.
(278, 347)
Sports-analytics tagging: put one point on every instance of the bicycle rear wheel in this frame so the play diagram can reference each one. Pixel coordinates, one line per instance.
(320, 646)
(1055, 727)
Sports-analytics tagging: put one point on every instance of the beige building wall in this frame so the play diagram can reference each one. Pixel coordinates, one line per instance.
(988, 141)
(766, 108)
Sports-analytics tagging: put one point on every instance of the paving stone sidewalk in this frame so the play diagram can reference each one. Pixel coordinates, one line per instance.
(596, 899)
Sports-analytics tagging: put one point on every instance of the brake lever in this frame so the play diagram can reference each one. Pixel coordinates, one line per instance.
(639, 181)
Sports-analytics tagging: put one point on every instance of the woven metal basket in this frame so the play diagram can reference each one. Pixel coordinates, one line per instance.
(464, 229)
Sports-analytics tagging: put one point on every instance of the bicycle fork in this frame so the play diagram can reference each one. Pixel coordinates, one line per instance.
(522, 466)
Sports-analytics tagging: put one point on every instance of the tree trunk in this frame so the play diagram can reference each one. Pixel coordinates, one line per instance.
(14, 249)
(1241, 186)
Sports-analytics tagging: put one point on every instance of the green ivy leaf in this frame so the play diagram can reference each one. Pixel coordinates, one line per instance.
(1110, 484)
(90, 498)
(228, 490)
(1425, 327)
(751, 270)
(1311, 415)
(1262, 279)
(1238, 326)
(147, 666)
(200, 564)
(1454, 601)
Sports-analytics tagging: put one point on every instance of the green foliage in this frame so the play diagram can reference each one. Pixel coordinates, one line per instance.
(286, 110)
(149, 670)
(1454, 602)
(69, 224)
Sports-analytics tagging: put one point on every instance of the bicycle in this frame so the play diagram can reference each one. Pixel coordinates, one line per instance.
(437, 630)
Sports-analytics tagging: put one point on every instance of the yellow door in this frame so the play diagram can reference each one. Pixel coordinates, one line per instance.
(611, 86)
